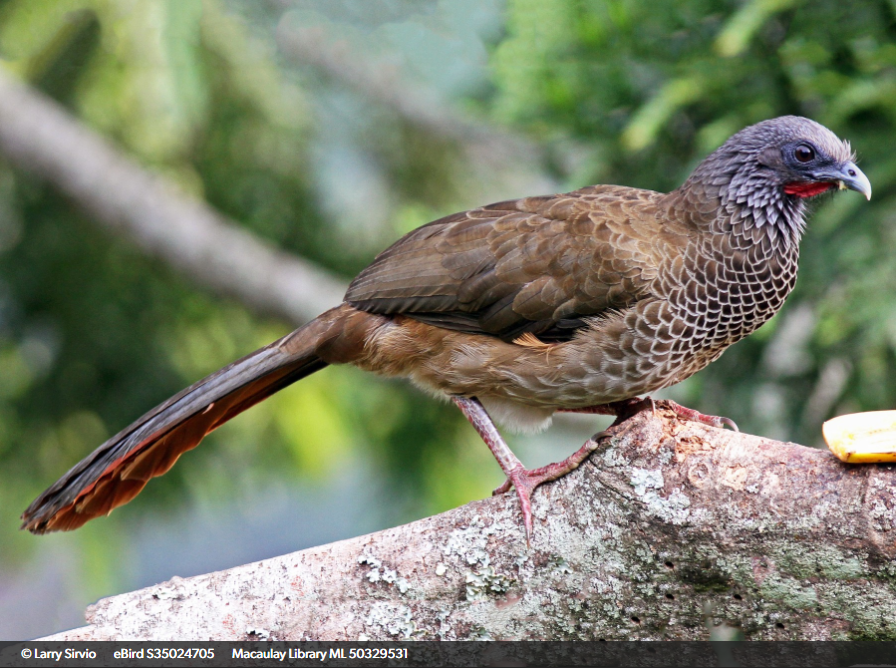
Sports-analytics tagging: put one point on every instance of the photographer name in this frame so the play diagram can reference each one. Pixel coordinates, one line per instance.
(57, 655)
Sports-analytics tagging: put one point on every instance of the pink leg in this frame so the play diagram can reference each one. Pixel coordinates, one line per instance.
(629, 406)
(522, 480)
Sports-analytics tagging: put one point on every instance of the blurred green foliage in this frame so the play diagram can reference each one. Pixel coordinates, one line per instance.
(92, 334)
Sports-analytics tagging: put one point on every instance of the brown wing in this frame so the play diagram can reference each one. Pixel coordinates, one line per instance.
(536, 265)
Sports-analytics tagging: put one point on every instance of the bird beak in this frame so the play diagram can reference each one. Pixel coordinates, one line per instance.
(850, 177)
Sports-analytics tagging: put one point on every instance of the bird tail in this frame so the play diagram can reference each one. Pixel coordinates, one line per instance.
(119, 468)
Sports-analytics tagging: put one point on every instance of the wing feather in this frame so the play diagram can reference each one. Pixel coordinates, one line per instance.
(537, 265)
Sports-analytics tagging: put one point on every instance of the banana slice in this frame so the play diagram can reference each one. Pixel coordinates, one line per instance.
(862, 438)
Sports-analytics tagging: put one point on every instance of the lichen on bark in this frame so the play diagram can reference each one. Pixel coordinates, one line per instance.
(669, 531)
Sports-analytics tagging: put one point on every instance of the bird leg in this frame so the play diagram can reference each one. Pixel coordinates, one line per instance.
(627, 408)
(619, 409)
(526, 481)
(518, 477)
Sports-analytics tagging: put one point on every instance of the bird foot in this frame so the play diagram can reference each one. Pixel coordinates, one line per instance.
(628, 408)
(525, 481)
(693, 416)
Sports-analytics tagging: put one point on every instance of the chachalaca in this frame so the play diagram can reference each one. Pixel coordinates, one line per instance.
(575, 302)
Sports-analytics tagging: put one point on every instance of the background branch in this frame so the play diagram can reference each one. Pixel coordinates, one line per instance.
(667, 523)
(39, 135)
(492, 152)
(384, 86)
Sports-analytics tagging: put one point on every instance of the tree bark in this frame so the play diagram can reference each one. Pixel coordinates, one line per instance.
(670, 530)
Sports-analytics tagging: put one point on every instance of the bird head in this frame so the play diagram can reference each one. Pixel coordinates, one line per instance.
(764, 173)
(808, 159)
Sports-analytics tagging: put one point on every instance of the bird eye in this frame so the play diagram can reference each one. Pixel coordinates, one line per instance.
(804, 153)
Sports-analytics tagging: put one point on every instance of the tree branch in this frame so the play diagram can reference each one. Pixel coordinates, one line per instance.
(667, 521)
(39, 135)
(511, 163)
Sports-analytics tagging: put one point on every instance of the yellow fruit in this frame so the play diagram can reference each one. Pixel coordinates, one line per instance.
(862, 438)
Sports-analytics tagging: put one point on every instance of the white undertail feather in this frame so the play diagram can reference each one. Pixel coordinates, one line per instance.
(517, 417)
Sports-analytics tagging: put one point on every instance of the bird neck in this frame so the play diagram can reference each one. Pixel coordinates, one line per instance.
(730, 197)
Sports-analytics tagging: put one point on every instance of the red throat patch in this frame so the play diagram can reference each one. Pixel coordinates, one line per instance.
(807, 190)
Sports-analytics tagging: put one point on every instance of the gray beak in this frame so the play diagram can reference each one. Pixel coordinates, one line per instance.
(850, 177)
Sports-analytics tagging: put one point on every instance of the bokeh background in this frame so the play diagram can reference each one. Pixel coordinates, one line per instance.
(329, 128)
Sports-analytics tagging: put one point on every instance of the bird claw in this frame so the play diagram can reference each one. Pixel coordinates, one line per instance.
(694, 416)
(730, 424)
(503, 489)
(525, 482)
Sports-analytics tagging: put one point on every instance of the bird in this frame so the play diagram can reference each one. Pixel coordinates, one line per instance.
(581, 302)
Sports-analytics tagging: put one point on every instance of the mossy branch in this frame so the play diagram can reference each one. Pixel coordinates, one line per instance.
(667, 522)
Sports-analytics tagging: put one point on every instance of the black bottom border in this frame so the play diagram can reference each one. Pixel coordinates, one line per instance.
(435, 654)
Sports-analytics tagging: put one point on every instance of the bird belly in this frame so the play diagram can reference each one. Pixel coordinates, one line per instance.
(521, 386)
(518, 417)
